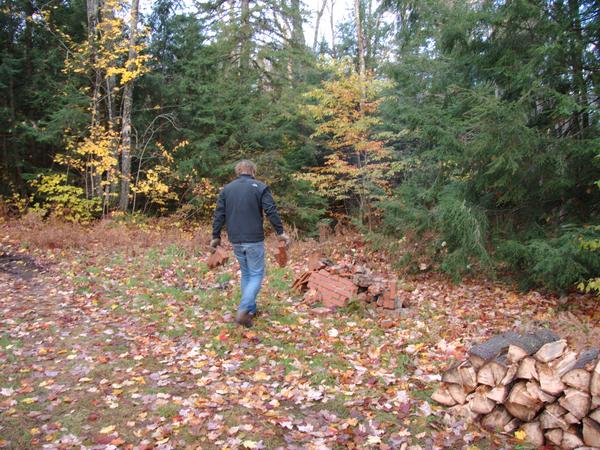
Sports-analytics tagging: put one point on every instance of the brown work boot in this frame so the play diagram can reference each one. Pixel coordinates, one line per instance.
(244, 318)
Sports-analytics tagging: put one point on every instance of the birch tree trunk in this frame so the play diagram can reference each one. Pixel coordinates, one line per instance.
(126, 117)
(361, 43)
(317, 22)
(332, 25)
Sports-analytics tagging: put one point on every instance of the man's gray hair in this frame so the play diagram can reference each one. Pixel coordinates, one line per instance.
(245, 167)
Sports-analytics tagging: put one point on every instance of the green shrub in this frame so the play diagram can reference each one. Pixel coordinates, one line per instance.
(53, 196)
(460, 226)
(591, 243)
(464, 228)
(556, 263)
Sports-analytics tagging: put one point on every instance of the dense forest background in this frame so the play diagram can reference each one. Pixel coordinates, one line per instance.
(464, 133)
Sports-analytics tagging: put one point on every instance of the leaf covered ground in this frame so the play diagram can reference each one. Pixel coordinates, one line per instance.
(120, 337)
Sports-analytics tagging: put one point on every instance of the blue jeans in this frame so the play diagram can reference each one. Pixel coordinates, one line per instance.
(251, 257)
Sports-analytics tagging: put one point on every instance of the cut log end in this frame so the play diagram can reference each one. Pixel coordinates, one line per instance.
(497, 420)
(578, 379)
(576, 402)
(550, 351)
(591, 432)
(533, 433)
(443, 397)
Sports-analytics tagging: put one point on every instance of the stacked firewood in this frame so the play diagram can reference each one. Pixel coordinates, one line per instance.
(531, 383)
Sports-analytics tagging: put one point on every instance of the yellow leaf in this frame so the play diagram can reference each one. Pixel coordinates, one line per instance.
(261, 376)
(250, 444)
(34, 431)
(107, 430)
(29, 400)
(520, 435)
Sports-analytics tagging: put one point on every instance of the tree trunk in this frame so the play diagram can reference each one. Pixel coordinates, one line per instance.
(127, 105)
(332, 25)
(361, 43)
(93, 7)
(297, 33)
(245, 36)
(317, 22)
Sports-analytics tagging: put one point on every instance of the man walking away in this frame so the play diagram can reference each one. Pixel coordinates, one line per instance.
(240, 206)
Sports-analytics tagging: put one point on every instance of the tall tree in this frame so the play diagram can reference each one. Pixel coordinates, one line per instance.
(320, 11)
(127, 106)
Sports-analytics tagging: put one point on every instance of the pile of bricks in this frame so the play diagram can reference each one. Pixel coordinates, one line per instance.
(334, 285)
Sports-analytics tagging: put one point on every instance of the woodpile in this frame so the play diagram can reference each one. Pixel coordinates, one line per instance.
(335, 284)
(531, 383)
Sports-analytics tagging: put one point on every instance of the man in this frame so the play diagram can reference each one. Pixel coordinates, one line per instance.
(240, 206)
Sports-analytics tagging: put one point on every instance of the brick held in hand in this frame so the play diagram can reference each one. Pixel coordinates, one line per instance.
(218, 258)
(281, 255)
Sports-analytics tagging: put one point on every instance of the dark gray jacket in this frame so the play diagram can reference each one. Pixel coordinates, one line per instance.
(240, 206)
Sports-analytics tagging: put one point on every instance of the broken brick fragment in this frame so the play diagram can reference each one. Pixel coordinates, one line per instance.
(301, 282)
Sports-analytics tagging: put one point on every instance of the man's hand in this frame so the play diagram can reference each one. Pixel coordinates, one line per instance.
(214, 243)
(285, 238)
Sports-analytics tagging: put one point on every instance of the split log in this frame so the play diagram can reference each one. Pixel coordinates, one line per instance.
(571, 439)
(549, 380)
(551, 418)
(498, 394)
(595, 382)
(578, 379)
(492, 373)
(463, 411)
(533, 432)
(451, 375)
(497, 419)
(511, 426)
(511, 375)
(555, 409)
(468, 377)
(591, 432)
(463, 374)
(457, 393)
(521, 403)
(536, 392)
(554, 436)
(550, 351)
(564, 363)
(595, 401)
(443, 397)
(476, 361)
(595, 415)
(480, 403)
(515, 354)
(576, 402)
(527, 370)
(571, 419)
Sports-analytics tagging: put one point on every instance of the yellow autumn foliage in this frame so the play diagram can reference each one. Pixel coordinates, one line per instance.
(358, 165)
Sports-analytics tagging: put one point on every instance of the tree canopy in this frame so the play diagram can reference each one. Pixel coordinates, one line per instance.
(473, 123)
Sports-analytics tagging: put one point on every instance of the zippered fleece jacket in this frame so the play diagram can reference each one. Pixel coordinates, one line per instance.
(240, 207)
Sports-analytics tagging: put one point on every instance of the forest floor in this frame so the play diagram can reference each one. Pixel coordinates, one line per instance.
(119, 336)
